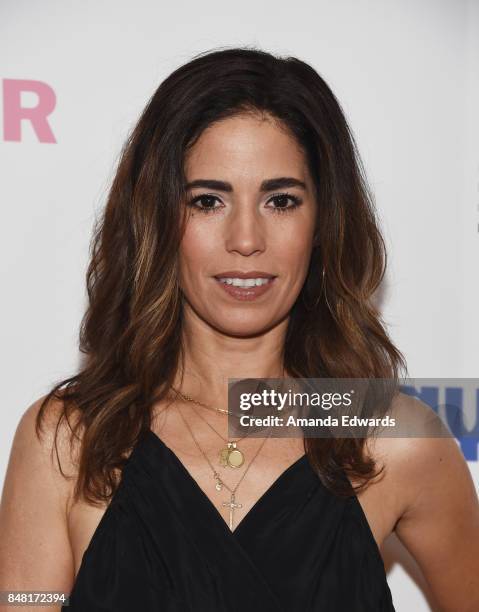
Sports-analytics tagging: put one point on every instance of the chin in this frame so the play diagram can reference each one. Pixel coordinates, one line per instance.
(243, 329)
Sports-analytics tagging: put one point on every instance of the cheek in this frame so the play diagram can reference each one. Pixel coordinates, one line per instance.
(293, 250)
(197, 251)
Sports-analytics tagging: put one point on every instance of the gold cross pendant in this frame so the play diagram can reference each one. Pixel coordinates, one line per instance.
(232, 504)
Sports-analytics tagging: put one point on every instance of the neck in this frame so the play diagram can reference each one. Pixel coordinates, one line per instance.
(211, 358)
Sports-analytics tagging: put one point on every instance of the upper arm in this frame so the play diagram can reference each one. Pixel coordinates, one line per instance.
(35, 551)
(440, 523)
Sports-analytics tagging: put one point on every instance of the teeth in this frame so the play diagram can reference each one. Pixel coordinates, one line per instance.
(245, 282)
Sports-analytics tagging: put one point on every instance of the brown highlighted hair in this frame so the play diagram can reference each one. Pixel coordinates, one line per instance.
(130, 335)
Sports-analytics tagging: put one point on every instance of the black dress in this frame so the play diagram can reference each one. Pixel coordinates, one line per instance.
(162, 546)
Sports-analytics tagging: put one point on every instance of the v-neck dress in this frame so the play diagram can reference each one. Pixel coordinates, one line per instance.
(162, 546)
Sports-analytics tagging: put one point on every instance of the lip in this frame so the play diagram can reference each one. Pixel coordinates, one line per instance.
(246, 294)
(240, 274)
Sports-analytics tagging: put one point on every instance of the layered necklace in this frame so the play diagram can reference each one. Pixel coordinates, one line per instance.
(229, 456)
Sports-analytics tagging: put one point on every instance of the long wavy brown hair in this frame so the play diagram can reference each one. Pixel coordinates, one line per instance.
(130, 334)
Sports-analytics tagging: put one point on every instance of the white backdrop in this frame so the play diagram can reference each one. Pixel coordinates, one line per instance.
(407, 75)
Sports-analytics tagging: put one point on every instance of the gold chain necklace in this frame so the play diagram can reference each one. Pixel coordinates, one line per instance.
(190, 399)
(232, 504)
(230, 455)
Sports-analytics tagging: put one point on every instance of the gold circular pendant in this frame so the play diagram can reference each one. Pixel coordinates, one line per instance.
(235, 458)
(224, 456)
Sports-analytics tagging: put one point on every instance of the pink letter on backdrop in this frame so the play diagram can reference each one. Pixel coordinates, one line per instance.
(13, 113)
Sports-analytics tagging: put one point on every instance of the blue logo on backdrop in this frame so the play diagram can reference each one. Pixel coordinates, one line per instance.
(453, 403)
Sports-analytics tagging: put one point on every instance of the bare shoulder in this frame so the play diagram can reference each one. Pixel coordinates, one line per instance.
(37, 489)
(50, 448)
(436, 504)
(424, 454)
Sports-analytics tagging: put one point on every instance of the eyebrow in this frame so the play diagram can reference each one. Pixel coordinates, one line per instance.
(267, 185)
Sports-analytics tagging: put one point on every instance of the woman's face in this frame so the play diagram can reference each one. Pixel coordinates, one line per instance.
(251, 209)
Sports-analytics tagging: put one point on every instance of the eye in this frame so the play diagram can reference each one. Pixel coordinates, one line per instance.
(282, 200)
(204, 199)
(205, 203)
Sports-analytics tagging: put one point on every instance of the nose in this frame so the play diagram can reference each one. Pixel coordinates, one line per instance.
(245, 231)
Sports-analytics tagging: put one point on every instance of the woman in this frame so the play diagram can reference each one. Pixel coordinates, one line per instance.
(239, 240)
